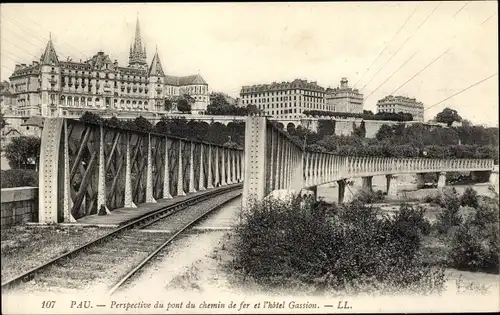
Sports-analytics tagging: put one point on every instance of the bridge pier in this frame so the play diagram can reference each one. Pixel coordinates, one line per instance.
(494, 178)
(392, 185)
(345, 193)
(441, 183)
(367, 183)
(420, 180)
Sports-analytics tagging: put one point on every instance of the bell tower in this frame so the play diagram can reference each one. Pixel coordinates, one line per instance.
(137, 55)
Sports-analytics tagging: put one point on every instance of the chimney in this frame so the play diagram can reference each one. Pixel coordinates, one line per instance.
(18, 67)
(35, 63)
(343, 83)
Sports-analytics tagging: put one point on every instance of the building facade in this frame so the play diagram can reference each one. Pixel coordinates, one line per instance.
(396, 104)
(285, 100)
(344, 98)
(52, 87)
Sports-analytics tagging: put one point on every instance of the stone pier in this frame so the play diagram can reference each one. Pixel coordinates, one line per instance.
(367, 183)
(441, 183)
(392, 185)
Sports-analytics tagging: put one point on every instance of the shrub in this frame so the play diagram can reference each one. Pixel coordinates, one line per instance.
(412, 218)
(19, 178)
(348, 248)
(91, 117)
(365, 196)
(476, 244)
(469, 198)
(449, 217)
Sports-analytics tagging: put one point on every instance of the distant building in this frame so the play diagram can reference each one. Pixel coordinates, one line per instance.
(6, 98)
(285, 100)
(396, 104)
(53, 87)
(344, 98)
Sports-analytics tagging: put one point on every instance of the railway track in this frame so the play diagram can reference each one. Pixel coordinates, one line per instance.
(106, 262)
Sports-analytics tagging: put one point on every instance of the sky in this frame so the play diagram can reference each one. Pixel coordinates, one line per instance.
(377, 46)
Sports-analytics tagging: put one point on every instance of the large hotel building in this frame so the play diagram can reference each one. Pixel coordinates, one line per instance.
(288, 100)
(52, 87)
(396, 104)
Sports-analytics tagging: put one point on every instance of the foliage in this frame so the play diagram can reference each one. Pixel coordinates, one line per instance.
(142, 124)
(448, 116)
(476, 244)
(326, 127)
(410, 218)
(215, 132)
(3, 123)
(361, 130)
(23, 151)
(220, 106)
(168, 104)
(113, 122)
(183, 105)
(19, 178)
(469, 198)
(366, 115)
(282, 243)
(91, 117)
(368, 196)
(449, 217)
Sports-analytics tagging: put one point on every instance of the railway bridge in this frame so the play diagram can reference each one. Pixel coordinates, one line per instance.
(273, 161)
(86, 169)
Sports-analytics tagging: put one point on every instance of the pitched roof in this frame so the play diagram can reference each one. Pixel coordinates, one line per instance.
(99, 60)
(187, 80)
(192, 80)
(49, 56)
(156, 68)
(36, 121)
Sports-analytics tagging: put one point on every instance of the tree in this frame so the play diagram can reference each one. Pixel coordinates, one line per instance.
(231, 144)
(168, 105)
(448, 116)
(142, 124)
(23, 151)
(3, 123)
(183, 106)
(91, 117)
(113, 122)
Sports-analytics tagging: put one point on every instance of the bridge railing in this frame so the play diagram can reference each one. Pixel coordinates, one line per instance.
(274, 161)
(85, 166)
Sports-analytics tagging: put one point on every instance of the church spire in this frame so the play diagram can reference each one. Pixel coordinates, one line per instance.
(49, 56)
(156, 68)
(137, 57)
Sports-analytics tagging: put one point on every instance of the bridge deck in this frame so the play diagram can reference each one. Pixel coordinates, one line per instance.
(122, 216)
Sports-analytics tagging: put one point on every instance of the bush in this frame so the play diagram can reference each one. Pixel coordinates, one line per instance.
(469, 198)
(449, 217)
(90, 117)
(476, 244)
(349, 248)
(365, 196)
(412, 218)
(19, 178)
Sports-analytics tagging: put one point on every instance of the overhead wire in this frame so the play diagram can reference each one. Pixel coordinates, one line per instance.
(461, 91)
(461, 8)
(31, 31)
(400, 47)
(434, 60)
(391, 75)
(387, 45)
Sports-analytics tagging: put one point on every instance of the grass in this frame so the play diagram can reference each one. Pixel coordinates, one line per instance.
(24, 246)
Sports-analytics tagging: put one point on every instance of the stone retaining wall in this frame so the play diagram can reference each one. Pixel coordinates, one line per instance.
(19, 204)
